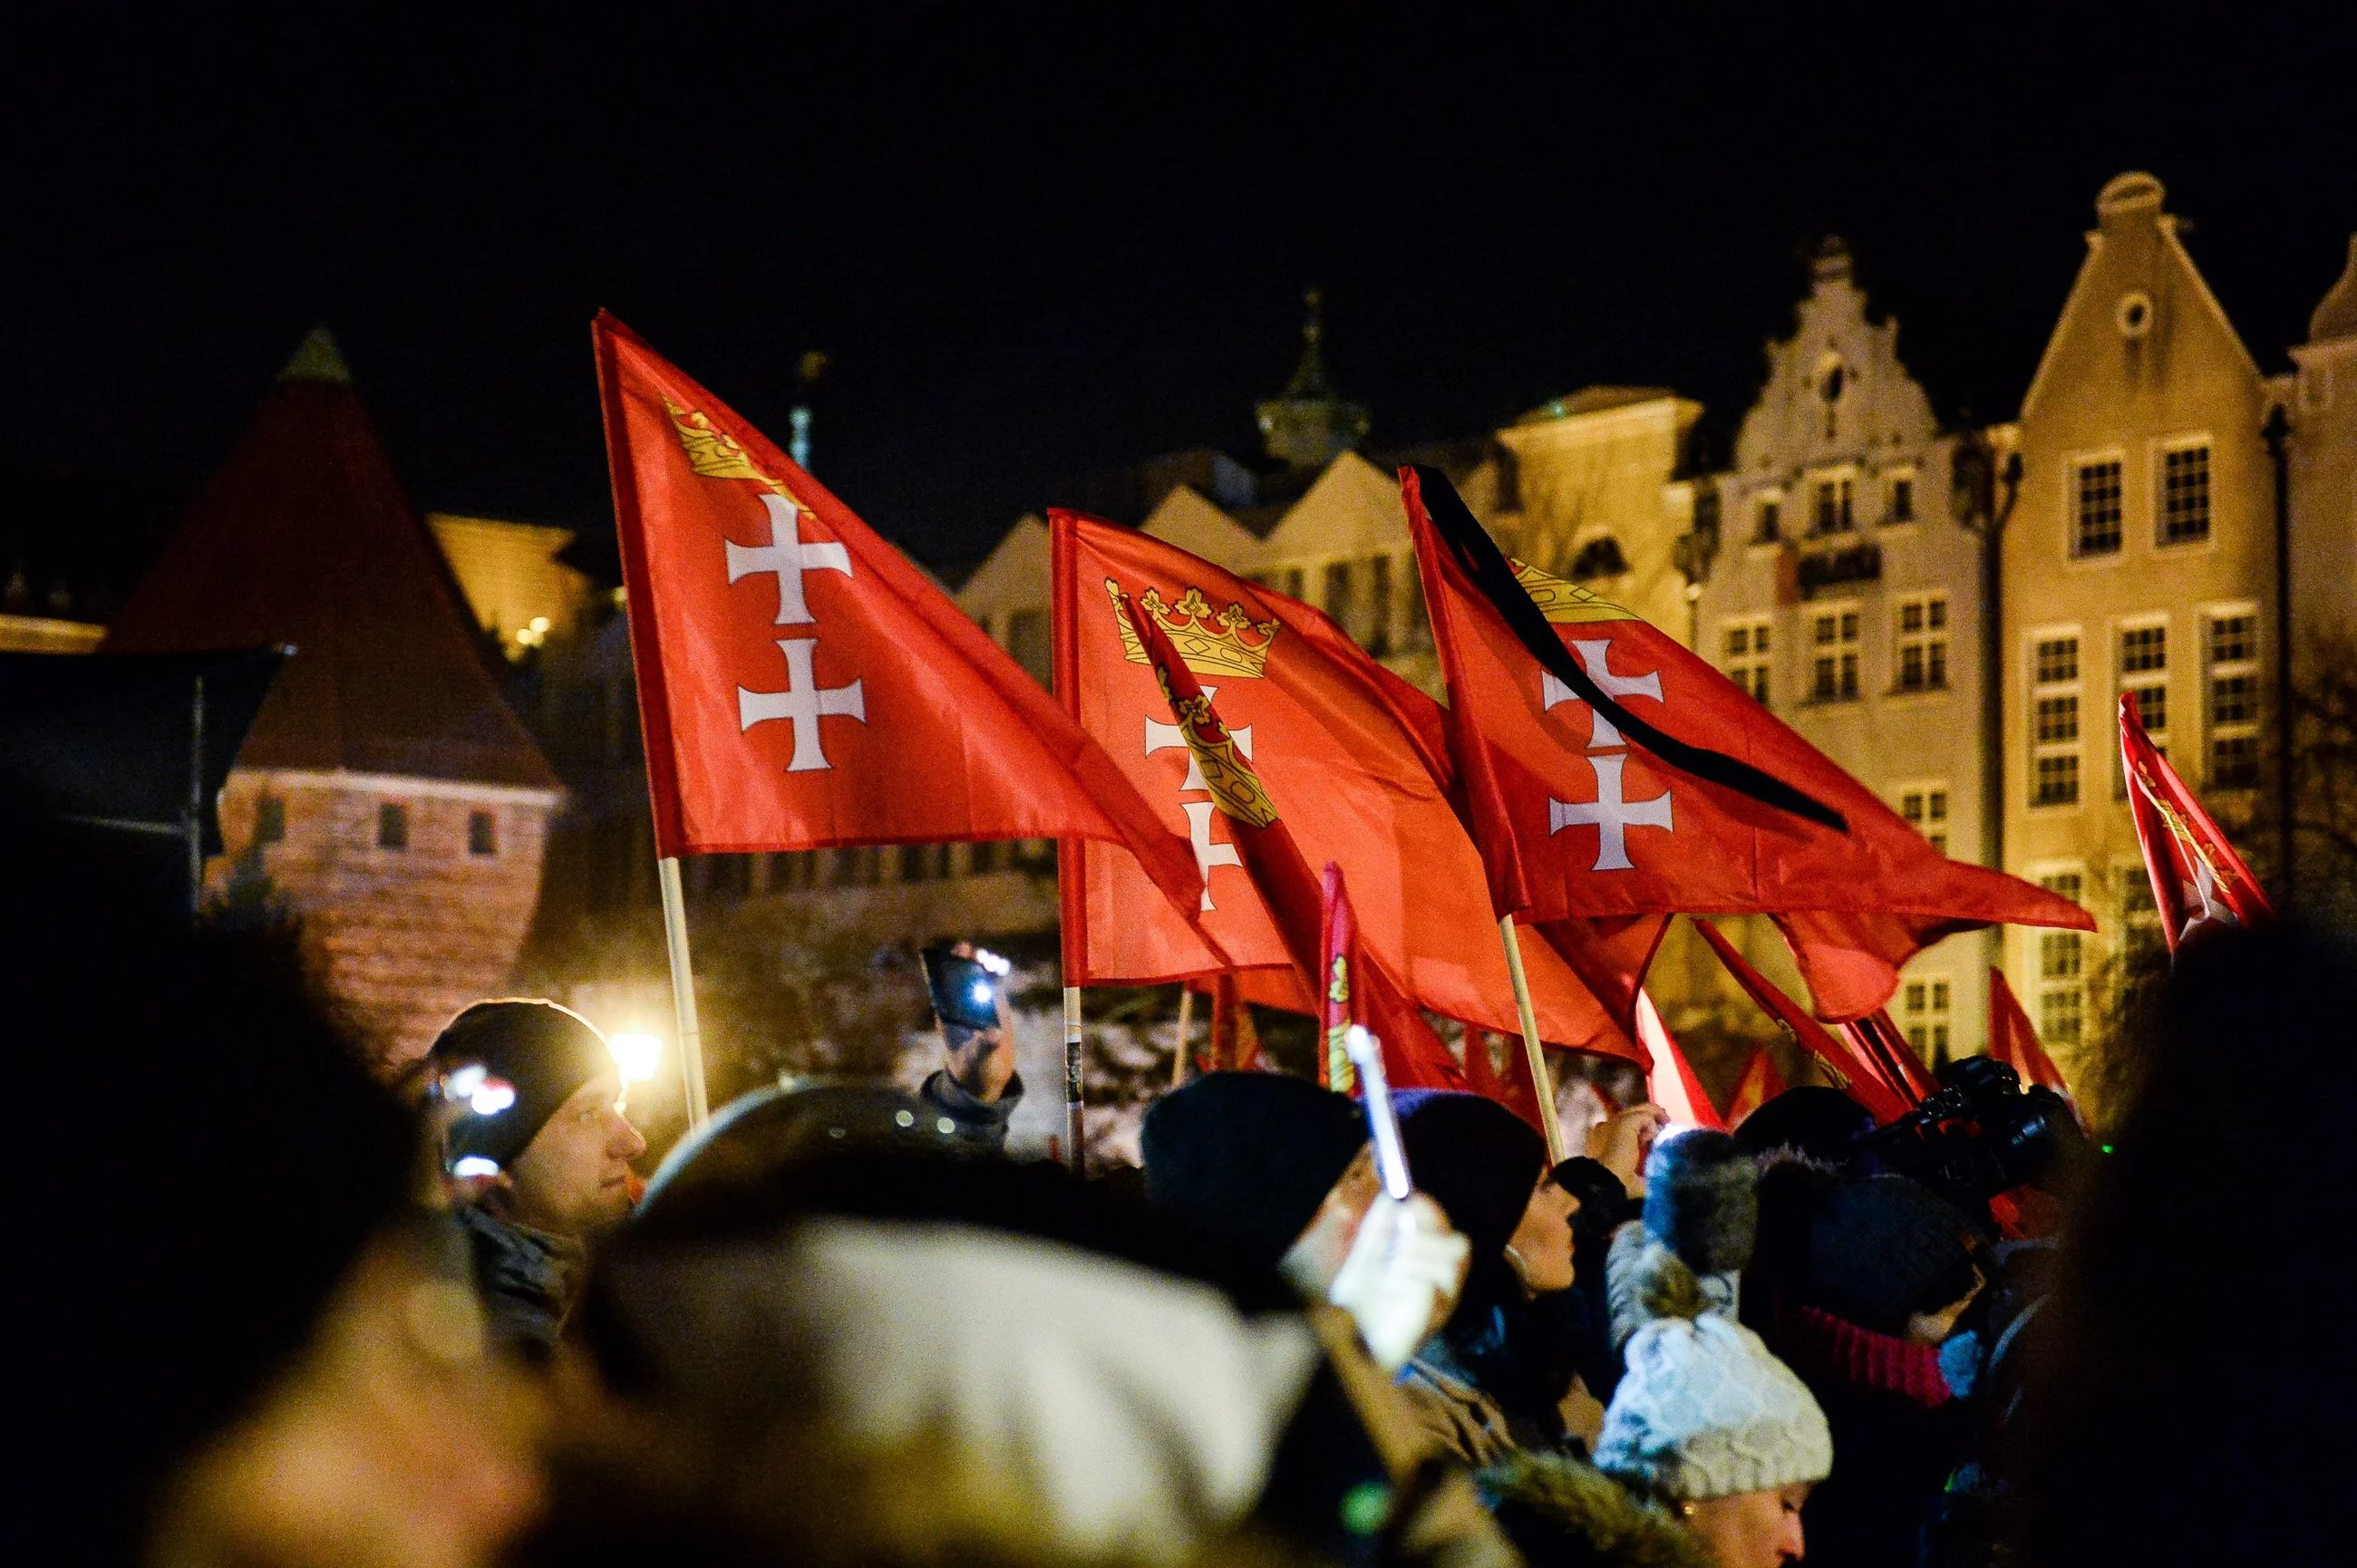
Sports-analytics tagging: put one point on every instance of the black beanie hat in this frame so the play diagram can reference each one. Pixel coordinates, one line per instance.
(1883, 1247)
(1248, 1156)
(1702, 1201)
(543, 1051)
(1477, 1159)
(1818, 1122)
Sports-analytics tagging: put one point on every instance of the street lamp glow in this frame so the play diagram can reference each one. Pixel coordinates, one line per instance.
(637, 1055)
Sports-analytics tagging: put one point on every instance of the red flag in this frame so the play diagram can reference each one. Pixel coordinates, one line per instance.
(1670, 1078)
(1414, 1058)
(1570, 717)
(1357, 990)
(1235, 1040)
(1355, 753)
(1878, 1040)
(2014, 1042)
(1836, 1057)
(2196, 877)
(1759, 1084)
(799, 684)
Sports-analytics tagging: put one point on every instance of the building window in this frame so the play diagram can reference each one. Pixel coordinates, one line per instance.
(1291, 579)
(1925, 807)
(1902, 498)
(916, 862)
(482, 833)
(2054, 723)
(1747, 658)
(1379, 606)
(1836, 506)
(2185, 494)
(1928, 1007)
(1770, 515)
(2231, 686)
(1337, 593)
(846, 868)
(1833, 675)
(2140, 937)
(1923, 643)
(1418, 636)
(981, 860)
(269, 820)
(2144, 669)
(391, 826)
(2061, 971)
(2096, 515)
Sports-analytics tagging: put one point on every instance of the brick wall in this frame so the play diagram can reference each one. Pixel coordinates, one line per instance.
(405, 936)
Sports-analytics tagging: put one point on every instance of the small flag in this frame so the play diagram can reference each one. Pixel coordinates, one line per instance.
(2197, 880)
(1759, 1084)
(2013, 1040)
(1836, 1057)
(1669, 1077)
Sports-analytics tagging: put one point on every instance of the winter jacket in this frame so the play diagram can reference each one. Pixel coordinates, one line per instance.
(1453, 1413)
(1562, 1512)
(524, 1279)
(1899, 1433)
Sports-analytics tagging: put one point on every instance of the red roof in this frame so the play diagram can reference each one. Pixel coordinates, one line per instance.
(306, 537)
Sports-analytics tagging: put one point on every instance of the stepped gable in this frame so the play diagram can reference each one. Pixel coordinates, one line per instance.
(306, 537)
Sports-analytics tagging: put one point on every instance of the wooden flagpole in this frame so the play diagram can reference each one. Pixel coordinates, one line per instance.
(1076, 1154)
(1557, 1150)
(1186, 1028)
(683, 992)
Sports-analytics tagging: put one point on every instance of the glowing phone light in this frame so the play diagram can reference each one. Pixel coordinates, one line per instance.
(982, 993)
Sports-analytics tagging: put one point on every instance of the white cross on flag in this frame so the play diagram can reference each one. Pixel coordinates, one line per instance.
(885, 716)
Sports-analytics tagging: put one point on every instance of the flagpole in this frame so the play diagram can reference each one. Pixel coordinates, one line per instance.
(1186, 1028)
(682, 991)
(1556, 1151)
(1076, 1157)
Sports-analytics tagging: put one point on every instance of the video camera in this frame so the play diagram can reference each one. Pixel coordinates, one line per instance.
(1980, 1133)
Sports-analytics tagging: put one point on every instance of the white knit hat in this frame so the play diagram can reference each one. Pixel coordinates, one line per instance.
(1704, 1410)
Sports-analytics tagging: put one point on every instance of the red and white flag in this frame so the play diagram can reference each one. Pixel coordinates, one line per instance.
(1609, 773)
(1355, 753)
(1355, 989)
(801, 684)
(2197, 880)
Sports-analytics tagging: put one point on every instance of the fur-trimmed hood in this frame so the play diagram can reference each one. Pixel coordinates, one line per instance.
(1562, 1512)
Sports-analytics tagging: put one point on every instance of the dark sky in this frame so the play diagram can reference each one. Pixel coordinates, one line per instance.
(1039, 241)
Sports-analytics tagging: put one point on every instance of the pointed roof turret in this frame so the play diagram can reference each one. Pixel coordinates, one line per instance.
(305, 536)
(2336, 313)
(1306, 425)
(318, 360)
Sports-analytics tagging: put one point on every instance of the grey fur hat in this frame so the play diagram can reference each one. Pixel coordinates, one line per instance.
(1702, 1201)
(1704, 1410)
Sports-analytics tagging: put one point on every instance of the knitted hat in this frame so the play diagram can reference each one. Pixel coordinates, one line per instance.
(1702, 1201)
(1704, 1410)
(1477, 1159)
(1248, 1156)
(541, 1050)
(1884, 1248)
(1819, 1122)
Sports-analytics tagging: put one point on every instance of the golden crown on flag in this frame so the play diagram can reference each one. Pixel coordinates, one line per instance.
(1211, 644)
(1564, 604)
(712, 452)
(1236, 788)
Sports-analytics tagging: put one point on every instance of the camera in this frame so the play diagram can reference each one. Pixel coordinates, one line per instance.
(1980, 1133)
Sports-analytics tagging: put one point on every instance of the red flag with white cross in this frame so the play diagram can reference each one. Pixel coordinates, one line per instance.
(1356, 753)
(801, 684)
(1610, 773)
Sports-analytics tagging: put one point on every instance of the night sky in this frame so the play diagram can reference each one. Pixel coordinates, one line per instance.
(1043, 240)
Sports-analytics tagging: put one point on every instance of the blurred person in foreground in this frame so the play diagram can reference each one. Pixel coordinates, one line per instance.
(2190, 1375)
(536, 1134)
(239, 1343)
(981, 1360)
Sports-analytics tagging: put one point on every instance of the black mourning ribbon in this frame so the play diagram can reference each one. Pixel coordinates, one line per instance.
(1479, 555)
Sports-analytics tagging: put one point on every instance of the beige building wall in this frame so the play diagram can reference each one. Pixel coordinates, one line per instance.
(1846, 596)
(517, 590)
(2140, 554)
(2324, 473)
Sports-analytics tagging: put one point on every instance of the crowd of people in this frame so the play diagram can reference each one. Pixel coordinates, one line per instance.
(274, 1314)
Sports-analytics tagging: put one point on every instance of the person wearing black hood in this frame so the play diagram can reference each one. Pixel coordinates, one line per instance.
(1497, 1376)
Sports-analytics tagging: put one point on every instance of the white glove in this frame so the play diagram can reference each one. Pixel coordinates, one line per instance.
(1401, 1277)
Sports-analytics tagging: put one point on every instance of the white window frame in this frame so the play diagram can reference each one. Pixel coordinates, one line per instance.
(1848, 651)
(2036, 690)
(2160, 455)
(1753, 669)
(2042, 991)
(1891, 479)
(1927, 1015)
(1926, 794)
(2143, 681)
(2213, 669)
(2073, 463)
(1926, 636)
